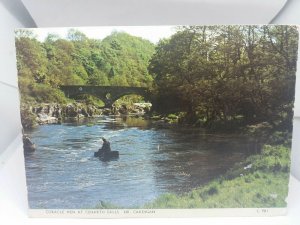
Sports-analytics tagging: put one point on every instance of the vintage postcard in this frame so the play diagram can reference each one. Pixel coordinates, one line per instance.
(157, 121)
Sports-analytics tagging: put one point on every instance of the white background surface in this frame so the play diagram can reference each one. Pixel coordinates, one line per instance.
(9, 117)
(13, 200)
(152, 12)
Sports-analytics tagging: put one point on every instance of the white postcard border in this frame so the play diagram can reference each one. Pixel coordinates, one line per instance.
(156, 213)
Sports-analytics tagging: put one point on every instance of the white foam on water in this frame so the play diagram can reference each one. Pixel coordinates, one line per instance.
(84, 160)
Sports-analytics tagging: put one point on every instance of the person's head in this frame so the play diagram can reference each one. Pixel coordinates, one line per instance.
(103, 139)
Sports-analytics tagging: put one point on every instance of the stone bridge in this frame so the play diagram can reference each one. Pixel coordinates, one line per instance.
(108, 94)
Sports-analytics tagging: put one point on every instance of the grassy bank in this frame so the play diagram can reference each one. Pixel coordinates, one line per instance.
(259, 181)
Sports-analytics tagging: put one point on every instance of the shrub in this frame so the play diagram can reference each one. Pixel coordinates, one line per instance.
(172, 117)
(28, 118)
(45, 93)
(213, 190)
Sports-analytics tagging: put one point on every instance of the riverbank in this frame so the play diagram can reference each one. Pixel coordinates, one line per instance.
(36, 114)
(260, 181)
(263, 132)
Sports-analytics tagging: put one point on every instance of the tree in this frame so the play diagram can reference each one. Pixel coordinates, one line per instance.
(119, 59)
(224, 72)
(98, 78)
(76, 35)
(31, 57)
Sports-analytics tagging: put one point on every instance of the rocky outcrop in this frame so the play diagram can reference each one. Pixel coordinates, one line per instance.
(45, 119)
(47, 113)
(136, 108)
(52, 113)
(28, 145)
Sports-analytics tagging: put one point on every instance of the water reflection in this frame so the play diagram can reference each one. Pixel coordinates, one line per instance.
(117, 123)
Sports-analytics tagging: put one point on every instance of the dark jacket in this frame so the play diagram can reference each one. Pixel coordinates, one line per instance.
(106, 147)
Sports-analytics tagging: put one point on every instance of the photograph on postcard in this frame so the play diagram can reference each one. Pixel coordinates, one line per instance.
(157, 117)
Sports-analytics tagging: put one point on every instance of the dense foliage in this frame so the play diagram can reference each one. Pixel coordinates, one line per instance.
(203, 74)
(120, 59)
(223, 73)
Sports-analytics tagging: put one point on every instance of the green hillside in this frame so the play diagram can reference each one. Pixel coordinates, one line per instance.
(119, 59)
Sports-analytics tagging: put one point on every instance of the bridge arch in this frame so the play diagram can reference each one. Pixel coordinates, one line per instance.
(108, 94)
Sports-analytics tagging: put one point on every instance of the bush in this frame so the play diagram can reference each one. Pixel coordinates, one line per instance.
(172, 117)
(28, 118)
(47, 94)
(213, 190)
(274, 158)
(280, 137)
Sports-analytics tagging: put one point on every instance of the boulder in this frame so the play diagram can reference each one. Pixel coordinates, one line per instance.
(71, 111)
(45, 119)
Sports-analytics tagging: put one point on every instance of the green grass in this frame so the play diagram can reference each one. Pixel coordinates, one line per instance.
(261, 181)
(250, 191)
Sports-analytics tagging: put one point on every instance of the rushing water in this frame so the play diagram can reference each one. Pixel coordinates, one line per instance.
(62, 172)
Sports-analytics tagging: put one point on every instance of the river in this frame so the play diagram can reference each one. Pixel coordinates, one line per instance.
(62, 172)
